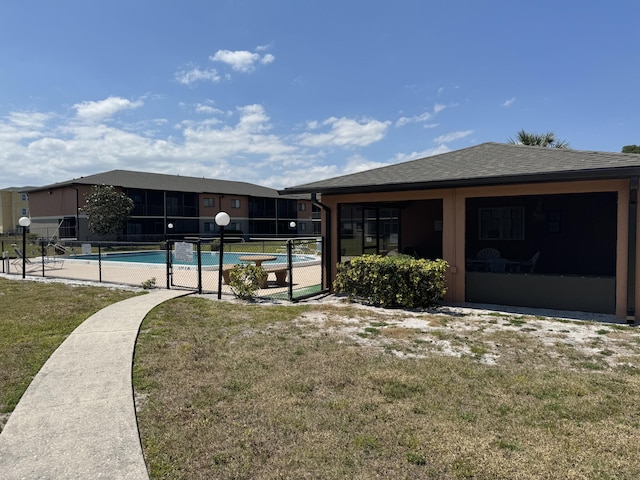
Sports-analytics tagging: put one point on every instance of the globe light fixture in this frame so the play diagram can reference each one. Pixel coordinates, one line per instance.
(222, 219)
(167, 245)
(24, 222)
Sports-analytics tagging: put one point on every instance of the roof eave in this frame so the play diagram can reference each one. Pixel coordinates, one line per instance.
(599, 174)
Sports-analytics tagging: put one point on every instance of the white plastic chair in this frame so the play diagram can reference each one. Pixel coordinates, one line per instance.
(487, 253)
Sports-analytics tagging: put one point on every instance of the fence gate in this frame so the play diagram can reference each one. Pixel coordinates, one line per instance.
(190, 264)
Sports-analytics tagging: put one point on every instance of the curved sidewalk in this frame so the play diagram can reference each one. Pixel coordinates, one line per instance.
(77, 419)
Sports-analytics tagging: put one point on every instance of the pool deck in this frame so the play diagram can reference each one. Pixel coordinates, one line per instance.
(135, 274)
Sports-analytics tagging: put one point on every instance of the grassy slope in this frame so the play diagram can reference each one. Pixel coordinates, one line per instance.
(34, 319)
(248, 391)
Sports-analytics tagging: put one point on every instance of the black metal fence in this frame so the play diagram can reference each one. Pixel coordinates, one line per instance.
(293, 265)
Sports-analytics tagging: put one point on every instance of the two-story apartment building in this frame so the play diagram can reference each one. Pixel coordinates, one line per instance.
(172, 205)
(14, 203)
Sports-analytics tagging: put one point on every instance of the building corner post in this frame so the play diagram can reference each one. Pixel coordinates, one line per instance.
(631, 249)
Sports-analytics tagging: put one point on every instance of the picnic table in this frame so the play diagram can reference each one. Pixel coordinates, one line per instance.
(257, 259)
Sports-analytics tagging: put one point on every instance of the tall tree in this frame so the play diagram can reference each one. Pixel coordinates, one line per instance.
(631, 149)
(107, 210)
(547, 140)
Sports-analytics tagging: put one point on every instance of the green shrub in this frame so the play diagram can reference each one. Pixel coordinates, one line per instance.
(396, 281)
(245, 279)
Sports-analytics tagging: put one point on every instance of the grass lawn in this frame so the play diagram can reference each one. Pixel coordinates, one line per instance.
(229, 390)
(34, 319)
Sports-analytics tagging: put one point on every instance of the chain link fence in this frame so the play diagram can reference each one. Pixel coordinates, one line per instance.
(293, 266)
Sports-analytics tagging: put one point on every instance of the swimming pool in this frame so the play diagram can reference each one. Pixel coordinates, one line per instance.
(208, 258)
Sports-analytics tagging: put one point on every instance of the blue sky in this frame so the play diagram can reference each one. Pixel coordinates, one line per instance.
(286, 92)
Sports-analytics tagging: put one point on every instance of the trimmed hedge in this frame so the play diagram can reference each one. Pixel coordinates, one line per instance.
(394, 281)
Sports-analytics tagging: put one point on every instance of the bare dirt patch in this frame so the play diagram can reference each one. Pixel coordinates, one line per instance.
(572, 339)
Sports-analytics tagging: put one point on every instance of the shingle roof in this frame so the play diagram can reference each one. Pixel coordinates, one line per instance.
(484, 164)
(172, 183)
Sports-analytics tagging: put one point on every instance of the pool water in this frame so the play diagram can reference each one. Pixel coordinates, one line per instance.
(208, 258)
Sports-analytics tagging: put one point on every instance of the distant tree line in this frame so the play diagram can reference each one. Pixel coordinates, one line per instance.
(547, 140)
(631, 149)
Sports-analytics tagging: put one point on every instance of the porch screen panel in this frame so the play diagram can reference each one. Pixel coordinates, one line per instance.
(368, 229)
(389, 228)
(351, 230)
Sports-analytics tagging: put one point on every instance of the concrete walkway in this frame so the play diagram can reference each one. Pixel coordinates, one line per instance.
(77, 419)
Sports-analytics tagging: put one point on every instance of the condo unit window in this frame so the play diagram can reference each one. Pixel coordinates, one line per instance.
(209, 227)
(302, 207)
(235, 203)
(209, 202)
(501, 223)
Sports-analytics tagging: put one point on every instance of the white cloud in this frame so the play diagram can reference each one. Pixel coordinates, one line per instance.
(207, 109)
(450, 137)
(21, 126)
(509, 102)
(358, 163)
(103, 109)
(405, 157)
(267, 59)
(438, 107)
(195, 75)
(28, 119)
(346, 132)
(235, 144)
(247, 137)
(424, 117)
(241, 60)
(415, 119)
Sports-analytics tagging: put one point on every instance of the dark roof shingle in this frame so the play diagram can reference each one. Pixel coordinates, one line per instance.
(484, 164)
(173, 183)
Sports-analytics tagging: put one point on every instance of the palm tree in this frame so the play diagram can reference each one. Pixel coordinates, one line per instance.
(538, 140)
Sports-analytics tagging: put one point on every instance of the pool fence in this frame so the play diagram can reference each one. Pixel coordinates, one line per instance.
(293, 265)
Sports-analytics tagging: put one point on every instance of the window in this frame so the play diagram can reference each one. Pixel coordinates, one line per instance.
(209, 202)
(262, 207)
(25, 197)
(209, 227)
(303, 227)
(24, 211)
(501, 223)
(235, 203)
(302, 207)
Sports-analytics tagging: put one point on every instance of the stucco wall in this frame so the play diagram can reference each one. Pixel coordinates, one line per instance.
(454, 221)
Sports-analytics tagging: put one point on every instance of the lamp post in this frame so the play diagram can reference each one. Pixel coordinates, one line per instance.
(168, 247)
(24, 222)
(222, 220)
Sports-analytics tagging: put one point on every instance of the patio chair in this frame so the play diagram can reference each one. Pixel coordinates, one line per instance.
(530, 264)
(53, 262)
(487, 253)
(497, 264)
(19, 258)
(480, 263)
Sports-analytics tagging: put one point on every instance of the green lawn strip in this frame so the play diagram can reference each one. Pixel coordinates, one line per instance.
(35, 318)
(246, 391)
